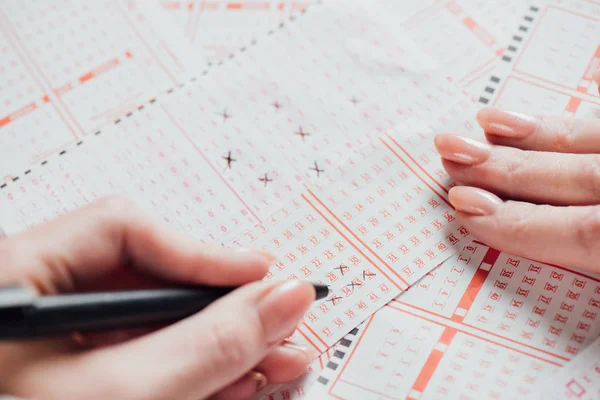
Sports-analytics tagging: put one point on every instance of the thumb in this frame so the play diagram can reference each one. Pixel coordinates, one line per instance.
(196, 357)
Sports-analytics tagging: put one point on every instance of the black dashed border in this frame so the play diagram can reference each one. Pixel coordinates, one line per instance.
(512, 50)
(342, 348)
(153, 100)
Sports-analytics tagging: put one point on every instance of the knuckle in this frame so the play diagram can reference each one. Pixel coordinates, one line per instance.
(229, 349)
(518, 223)
(587, 231)
(564, 133)
(591, 175)
(517, 165)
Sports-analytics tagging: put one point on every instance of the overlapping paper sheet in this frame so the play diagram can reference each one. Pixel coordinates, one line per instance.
(499, 322)
(72, 67)
(314, 142)
(549, 62)
(68, 68)
(217, 156)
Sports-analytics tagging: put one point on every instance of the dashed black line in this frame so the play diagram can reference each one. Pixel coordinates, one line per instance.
(510, 54)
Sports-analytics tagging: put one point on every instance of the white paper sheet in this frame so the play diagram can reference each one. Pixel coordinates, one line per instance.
(68, 68)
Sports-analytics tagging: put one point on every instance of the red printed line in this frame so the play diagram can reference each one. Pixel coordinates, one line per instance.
(171, 5)
(380, 394)
(59, 91)
(418, 165)
(485, 73)
(299, 5)
(481, 34)
(86, 77)
(353, 245)
(536, 85)
(185, 134)
(176, 59)
(309, 341)
(362, 334)
(475, 328)
(476, 284)
(487, 340)
(195, 17)
(453, 7)
(248, 6)
(107, 66)
(19, 113)
(573, 105)
(414, 172)
(315, 335)
(481, 70)
(433, 361)
(235, 6)
(421, 15)
(360, 240)
(592, 66)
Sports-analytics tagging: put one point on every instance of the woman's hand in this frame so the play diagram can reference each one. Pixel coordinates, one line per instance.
(534, 190)
(229, 350)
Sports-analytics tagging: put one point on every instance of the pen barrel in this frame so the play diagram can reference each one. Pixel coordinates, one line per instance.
(118, 310)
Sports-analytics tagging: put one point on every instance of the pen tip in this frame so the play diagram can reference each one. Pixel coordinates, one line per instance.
(323, 291)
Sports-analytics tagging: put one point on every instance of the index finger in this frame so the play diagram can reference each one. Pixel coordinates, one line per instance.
(95, 241)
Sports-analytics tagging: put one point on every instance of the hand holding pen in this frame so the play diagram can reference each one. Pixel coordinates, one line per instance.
(231, 348)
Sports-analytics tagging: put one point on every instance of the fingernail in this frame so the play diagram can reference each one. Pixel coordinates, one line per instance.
(259, 379)
(506, 123)
(308, 353)
(461, 149)
(265, 255)
(474, 201)
(283, 307)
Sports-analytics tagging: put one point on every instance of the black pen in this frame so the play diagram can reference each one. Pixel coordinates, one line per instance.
(25, 315)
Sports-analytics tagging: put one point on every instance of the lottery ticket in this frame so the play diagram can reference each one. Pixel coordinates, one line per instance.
(483, 325)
